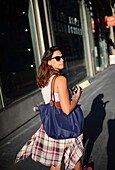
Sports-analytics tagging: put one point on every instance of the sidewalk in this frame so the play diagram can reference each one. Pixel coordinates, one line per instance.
(98, 105)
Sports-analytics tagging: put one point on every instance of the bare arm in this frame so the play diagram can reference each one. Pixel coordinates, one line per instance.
(61, 88)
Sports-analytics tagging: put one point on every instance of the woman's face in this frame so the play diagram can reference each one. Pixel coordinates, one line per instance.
(57, 65)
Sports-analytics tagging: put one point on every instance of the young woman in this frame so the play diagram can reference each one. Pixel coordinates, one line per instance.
(44, 149)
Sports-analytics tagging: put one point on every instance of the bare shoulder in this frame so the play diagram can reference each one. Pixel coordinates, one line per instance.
(61, 79)
(60, 83)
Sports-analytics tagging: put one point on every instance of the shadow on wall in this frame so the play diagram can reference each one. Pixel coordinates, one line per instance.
(111, 145)
(93, 125)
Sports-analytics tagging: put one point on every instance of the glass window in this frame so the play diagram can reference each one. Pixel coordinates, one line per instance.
(17, 65)
(68, 36)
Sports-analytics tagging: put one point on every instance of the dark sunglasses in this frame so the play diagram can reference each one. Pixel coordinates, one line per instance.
(58, 58)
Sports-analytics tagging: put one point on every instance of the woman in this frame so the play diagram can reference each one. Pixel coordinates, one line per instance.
(44, 149)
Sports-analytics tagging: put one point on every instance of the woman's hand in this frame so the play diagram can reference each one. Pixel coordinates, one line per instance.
(79, 91)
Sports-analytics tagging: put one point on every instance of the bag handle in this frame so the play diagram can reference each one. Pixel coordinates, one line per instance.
(52, 90)
(57, 104)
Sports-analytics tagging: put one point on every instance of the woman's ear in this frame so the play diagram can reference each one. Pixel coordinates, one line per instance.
(49, 63)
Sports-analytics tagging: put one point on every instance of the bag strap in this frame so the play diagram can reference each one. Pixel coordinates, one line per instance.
(52, 90)
(57, 104)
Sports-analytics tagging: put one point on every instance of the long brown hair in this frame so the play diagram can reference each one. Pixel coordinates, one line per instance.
(46, 71)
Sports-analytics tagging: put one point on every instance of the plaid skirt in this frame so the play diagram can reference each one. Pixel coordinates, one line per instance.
(50, 152)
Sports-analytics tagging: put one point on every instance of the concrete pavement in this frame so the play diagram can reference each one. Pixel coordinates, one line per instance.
(98, 105)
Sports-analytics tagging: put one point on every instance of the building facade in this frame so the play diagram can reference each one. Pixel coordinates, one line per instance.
(28, 28)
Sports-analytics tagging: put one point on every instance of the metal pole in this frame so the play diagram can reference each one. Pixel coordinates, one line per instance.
(86, 39)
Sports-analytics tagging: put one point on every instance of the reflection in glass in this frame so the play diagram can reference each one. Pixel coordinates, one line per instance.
(68, 36)
(17, 65)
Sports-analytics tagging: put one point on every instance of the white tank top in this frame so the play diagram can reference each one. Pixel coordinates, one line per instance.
(46, 92)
